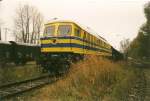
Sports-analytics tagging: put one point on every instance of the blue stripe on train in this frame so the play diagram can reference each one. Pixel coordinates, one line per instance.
(69, 37)
(71, 45)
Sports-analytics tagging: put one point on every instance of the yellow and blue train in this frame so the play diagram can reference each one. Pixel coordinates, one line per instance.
(68, 41)
(68, 37)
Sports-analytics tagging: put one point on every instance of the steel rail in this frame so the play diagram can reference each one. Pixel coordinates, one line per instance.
(12, 89)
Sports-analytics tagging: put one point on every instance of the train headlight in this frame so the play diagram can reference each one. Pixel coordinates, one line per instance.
(54, 40)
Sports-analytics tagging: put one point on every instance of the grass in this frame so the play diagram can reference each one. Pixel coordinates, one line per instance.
(93, 79)
(18, 73)
(88, 80)
(147, 74)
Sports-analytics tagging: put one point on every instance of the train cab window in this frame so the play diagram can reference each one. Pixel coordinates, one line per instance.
(77, 32)
(64, 30)
(50, 30)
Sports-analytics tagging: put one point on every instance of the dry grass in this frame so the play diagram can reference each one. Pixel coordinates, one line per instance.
(93, 79)
(18, 73)
(88, 80)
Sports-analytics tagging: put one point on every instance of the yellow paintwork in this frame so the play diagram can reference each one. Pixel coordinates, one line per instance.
(73, 49)
(66, 41)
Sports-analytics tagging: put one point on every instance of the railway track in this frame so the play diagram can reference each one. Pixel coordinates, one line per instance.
(139, 91)
(13, 89)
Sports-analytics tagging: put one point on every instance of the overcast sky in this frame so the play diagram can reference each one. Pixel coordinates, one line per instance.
(115, 20)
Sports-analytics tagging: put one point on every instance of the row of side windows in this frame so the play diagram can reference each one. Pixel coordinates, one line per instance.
(89, 38)
(94, 40)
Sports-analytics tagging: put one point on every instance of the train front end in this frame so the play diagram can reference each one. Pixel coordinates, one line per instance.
(55, 44)
(56, 38)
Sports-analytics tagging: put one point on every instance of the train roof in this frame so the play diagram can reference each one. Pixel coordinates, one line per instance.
(18, 43)
(26, 44)
(89, 30)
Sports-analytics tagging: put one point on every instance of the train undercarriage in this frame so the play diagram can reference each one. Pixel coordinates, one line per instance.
(59, 62)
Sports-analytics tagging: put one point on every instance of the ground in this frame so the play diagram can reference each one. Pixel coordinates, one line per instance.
(12, 73)
(95, 80)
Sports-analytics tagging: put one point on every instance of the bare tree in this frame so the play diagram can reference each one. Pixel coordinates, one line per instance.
(0, 33)
(27, 24)
(39, 26)
(37, 21)
(1, 27)
(125, 46)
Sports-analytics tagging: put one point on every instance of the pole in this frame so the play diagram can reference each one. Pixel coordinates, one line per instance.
(0, 33)
(0, 28)
(6, 34)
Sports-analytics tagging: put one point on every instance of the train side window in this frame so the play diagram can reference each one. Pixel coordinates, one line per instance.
(84, 36)
(50, 30)
(64, 30)
(91, 38)
(87, 36)
(93, 41)
(101, 43)
(104, 44)
(77, 32)
(97, 42)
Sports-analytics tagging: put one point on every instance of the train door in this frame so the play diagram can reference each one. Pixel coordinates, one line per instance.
(81, 40)
(84, 42)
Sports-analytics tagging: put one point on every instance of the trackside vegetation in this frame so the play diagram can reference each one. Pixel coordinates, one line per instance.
(92, 79)
(140, 46)
(12, 73)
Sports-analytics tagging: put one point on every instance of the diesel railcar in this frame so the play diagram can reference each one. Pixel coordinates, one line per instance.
(68, 41)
